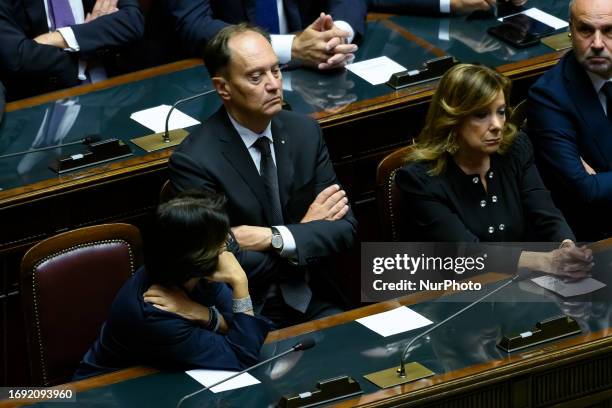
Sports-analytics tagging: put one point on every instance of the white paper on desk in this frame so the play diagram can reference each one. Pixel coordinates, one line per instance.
(543, 17)
(394, 321)
(569, 288)
(155, 118)
(209, 377)
(376, 70)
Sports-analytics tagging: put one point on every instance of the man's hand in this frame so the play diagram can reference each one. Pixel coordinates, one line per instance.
(469, 6)
(331, 204)
(591, 171)
(323, 45)
(54, 39)
(253, 238)
(101, 8)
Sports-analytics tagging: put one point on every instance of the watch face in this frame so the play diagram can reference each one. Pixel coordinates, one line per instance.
(277, 241)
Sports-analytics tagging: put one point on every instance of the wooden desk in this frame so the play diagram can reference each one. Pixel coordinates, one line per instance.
(361, 124)
(574, 372)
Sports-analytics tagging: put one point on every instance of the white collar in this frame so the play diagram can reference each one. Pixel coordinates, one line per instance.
(597, 81)
(247, 135)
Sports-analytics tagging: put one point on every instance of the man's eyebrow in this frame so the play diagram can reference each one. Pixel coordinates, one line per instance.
(262, 68)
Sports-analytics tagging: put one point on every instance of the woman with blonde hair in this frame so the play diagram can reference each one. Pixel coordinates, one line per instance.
(471, 178)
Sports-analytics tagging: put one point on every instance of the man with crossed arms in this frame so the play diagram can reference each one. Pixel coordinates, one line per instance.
(284, 201)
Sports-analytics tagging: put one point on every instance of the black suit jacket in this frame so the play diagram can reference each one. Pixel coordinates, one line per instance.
(214, 158)
(28, 68)
(566, 122)
(430, 7)
(197, 21)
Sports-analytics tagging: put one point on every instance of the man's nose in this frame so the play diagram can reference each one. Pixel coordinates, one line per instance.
(597, 41)
(273, 82)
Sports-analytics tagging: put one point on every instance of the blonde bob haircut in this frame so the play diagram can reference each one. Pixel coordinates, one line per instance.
(464, 90)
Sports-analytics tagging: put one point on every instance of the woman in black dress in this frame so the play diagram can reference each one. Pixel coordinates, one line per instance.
(471, 176)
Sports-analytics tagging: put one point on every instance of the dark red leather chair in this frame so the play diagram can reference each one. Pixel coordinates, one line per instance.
(68, 283)
(388, 195)
(167, 192)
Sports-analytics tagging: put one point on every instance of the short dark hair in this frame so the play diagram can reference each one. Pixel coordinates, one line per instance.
(185, 238)
(217, 53)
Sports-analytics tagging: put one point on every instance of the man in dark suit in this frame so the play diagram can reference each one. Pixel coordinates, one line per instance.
(53, 44)
(324, 41)
(433, 7)
(274, 168)
(2, 101)
(570, 122)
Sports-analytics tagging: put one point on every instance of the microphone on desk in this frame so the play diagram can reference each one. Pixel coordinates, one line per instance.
(162, 140)
(302, 345)
(402, 370)
(86, 141)
(395, 376)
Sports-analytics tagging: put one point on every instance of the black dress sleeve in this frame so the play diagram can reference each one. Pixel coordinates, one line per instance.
(545, 219)
(427, 211)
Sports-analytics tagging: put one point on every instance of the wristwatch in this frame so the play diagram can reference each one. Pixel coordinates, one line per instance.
(277, 240)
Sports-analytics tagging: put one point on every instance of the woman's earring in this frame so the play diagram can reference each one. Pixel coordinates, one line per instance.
(451, 143)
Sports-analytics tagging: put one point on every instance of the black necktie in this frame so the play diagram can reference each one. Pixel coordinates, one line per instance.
(294, 289)
(607, 90)
(267, 170)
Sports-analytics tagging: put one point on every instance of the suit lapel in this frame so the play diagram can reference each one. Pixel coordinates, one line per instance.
(35, 10)
(580, 88)
(238, 156)
(284, 161)
(293, 15)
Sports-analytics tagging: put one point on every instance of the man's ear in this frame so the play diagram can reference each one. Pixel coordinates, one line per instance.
(223, 88)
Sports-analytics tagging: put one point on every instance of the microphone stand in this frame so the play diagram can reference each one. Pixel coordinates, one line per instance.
(391, 377)
(402, 369)
(86, 141)
(157, 141)
(304, 345)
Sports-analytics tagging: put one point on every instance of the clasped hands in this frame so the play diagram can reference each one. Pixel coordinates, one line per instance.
(323, 45)
(468, 6)
(568, 261)
(331, 204)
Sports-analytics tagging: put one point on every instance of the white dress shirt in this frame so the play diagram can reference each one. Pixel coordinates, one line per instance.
(78, 13)
(249, 138)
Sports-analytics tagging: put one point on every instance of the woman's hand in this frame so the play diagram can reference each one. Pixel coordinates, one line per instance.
(569, 261)
(228, 271)
(175, 300)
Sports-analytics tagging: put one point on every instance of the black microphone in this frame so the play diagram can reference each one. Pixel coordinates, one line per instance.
(303, 345)
(402, 370)
(166, 137)
(86, 141)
